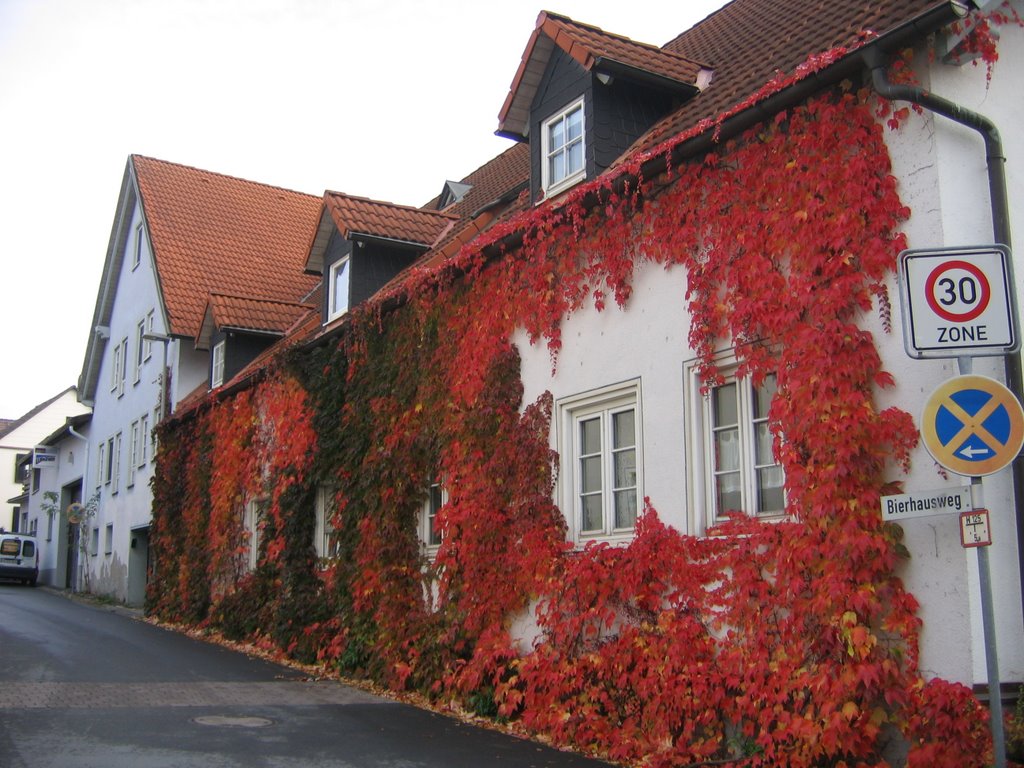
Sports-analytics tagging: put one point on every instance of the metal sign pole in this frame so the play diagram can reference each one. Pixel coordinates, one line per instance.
(988, 621)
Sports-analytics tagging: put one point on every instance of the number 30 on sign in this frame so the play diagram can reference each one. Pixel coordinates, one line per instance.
(958, 302)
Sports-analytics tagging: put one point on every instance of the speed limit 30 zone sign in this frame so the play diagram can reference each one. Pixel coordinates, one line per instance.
(958, 302)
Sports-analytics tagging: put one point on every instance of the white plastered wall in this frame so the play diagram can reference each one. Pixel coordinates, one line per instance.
(941, 172)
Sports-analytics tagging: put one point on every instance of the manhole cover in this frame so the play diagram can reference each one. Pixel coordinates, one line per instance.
(233, 722)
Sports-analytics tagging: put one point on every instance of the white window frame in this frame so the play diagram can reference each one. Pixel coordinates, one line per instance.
(133, 454)
(324, 541)
(148, 345)
(217, 364)
(702, 456)
(101, 463)
(115, 464)
(143, 438)
(254, 513)
(437, 497)
(120, 366)
(603, 405)
(140, 351)
(333, 308)
(550, 185)
(108, 539)
(137, 253)
(115, 368)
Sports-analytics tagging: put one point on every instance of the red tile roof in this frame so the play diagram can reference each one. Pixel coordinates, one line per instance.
(246, 314)
(215, 233)
(491, 181)
(747, 42)
(589, 46)
(362, 216)
(241, 313)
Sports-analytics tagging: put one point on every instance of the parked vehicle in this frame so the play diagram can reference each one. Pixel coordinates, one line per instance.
(19, 558)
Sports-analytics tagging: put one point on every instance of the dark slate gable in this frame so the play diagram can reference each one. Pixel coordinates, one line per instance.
(617, 112)
(240, 349)
(563, 83)
(374, 263)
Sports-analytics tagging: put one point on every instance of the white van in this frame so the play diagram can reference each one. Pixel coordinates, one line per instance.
(19, 558)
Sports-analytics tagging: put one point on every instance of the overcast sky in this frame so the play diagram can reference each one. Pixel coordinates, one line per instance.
(381, 98)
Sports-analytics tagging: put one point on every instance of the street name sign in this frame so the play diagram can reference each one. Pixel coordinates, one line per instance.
(944, 501)
(958, 302)
(972, 425)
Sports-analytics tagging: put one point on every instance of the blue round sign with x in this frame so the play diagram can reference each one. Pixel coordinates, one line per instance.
(973, 425)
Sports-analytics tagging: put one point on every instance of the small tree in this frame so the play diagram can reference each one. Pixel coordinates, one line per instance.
(82, 515)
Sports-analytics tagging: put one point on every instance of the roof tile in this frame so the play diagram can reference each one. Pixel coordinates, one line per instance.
(216, 233)
(360, 215)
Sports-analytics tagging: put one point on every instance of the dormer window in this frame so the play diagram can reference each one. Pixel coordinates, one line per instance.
(563, 149)
(339, 291)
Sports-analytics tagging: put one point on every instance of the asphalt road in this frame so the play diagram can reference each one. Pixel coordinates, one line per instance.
(82, 686)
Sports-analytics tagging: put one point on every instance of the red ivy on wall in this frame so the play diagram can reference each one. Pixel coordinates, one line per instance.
(782, 644)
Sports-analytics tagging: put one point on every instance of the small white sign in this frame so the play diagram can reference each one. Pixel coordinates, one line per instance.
(975, 530)
(958, 302)
(944, 501)
(43, 457)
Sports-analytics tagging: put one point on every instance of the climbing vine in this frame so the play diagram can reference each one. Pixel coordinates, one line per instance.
(792, 643)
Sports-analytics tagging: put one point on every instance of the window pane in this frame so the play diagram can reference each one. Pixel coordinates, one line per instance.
(763, 449)
(556, 135)
(624, 429)
(590, 436)
(557, 169)
(625, 468)
(574, 124)
(763, 397)
(590, 474)
(592, 515)
(727, 492)
(724, 407)
(771, 497)
(339, 297)
(625, 509)
(574, 158)
(727, 450)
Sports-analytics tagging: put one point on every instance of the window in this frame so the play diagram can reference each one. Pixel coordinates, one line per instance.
(217, 375)
(115, 463)
(137, 252)
(120, 367)
(254, 512)
(736, 469)
(325, 542)
(339, 279)
(133, 454)
(108, 539)
(143, 439)
(101, 463)
(563, 143)
(116, 368)
(94, 542)
(140, 350)
(148, 345)
(429, 533)
(601, 460)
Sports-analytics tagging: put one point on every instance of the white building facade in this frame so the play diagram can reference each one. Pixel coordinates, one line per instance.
(625, 364)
